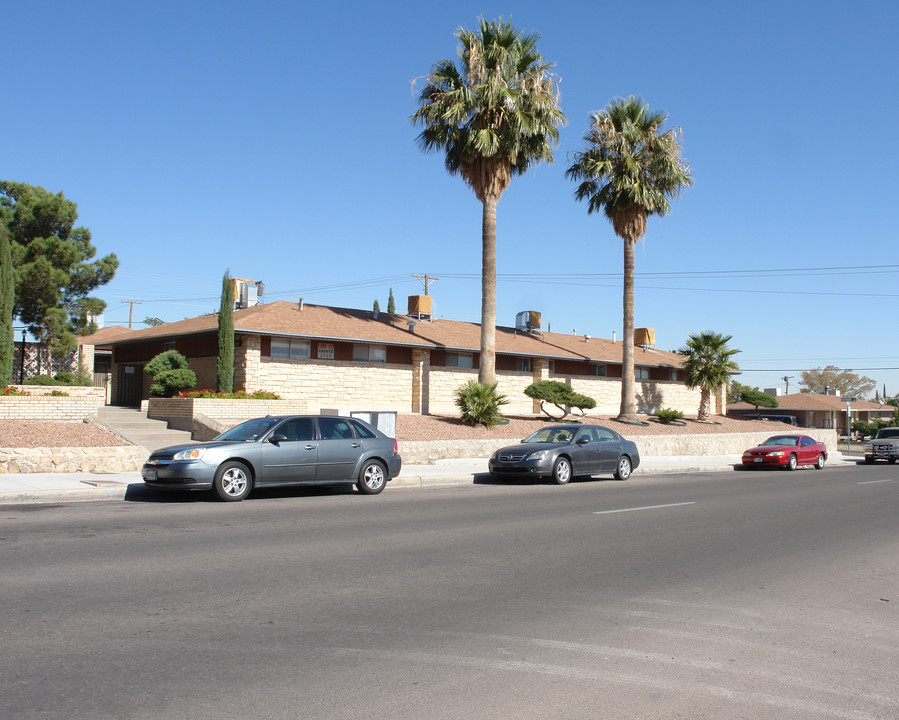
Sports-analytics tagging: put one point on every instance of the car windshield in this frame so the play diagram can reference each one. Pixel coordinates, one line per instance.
(249, 431)
(550, 435)
(887, 433)
(782, 440)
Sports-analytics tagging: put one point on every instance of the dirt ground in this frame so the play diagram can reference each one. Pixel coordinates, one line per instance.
(33, 434)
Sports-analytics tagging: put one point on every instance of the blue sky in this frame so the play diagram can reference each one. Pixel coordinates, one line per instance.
(274, 142)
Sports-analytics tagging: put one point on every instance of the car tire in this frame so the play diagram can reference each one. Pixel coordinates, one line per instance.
(624, 469)
(372, 477)
(793, 462)
(232, 482)
(562, 471)
(820, 464)
(892, 461)
(869, 461)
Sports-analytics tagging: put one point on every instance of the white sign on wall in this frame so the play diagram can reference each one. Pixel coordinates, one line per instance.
(326, 351)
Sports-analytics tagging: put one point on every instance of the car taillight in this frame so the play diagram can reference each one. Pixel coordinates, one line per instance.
(395, 448)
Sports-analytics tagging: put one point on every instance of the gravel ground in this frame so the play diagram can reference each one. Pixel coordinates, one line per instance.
(33, 434)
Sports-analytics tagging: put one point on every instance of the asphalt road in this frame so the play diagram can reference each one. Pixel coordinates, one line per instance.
(732, 595)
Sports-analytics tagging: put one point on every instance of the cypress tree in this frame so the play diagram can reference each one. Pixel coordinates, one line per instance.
(7, 300)
(224, 381)
(391, 305)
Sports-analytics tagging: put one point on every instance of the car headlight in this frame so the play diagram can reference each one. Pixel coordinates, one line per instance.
(191, 454)
(538, 455)
(747, 454)
(776, 453)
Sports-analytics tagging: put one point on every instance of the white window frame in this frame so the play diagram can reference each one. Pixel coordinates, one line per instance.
(291, 348)
(641, 373)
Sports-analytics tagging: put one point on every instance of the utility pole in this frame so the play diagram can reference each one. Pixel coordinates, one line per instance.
(786, 379)
(132, 303)
(427, 278)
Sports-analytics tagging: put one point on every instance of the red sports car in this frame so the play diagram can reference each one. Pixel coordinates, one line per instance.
(789, 451)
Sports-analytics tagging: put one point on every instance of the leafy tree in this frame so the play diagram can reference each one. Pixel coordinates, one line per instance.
(7, 302)
(708, 362)
(629, 171)
(224, 367)
(493, 116)
(479, 403)
(759, 398)
(53, 271)
(170, 374)
(153, 321)
(559, 394)
(830, 378)
(391, 303)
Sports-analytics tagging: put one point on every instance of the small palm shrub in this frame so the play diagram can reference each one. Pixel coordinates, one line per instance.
(170, 374)
(480, 403)
(667, 415)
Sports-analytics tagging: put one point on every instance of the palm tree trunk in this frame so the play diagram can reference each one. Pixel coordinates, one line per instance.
(705, 405)
(628, 412)
(487, 366)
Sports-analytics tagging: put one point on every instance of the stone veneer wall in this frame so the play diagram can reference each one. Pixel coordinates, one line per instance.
(82, 402)
(417, 452)
(337, 383)
(180, 412)
(72, 459)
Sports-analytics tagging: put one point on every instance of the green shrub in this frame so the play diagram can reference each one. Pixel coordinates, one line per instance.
(480, 403)
(238, 395)
(58, 393)
(42, 380)
(667, 415)
(559, 394)
(170, 374)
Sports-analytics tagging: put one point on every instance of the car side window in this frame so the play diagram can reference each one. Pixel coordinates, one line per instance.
(605, 435)
(806, 441)
(297, 430)
(587, 434)
(332, 428)
(361, 430)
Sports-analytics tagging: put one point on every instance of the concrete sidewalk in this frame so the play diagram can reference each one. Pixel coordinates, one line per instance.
(16, 489)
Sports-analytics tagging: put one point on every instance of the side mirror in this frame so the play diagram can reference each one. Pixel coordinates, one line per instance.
(277, 438)
(582, 441)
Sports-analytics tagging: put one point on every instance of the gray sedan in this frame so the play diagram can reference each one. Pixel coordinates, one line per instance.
(276, 451)
(562, 452)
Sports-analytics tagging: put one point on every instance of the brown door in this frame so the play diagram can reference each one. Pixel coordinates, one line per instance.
(130, 381)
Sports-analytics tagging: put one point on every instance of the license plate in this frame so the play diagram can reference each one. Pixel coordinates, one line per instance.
(756, 460)
(149, 474)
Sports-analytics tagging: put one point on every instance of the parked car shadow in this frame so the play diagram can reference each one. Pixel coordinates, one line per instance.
(138, 492)
(524, 480)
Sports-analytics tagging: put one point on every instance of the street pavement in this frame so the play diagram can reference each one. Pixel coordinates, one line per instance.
(26, 488)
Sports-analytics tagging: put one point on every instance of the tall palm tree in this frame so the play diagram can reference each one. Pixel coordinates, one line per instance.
(709, 363)
(629, 170)
(493, 116)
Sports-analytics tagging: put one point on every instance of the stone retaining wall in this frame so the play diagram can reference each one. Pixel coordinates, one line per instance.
(69, 459)
(81, 402)
(423, 452)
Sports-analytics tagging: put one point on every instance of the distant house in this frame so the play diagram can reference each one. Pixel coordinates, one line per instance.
(819, 411)
(355, 359)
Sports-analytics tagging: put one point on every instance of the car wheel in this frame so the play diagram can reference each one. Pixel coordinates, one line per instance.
(372, 477)
(820, 464)
(562, 471)
(892, 461)
(792, 463)
(232, 481)
(869, 461)
(624, 468)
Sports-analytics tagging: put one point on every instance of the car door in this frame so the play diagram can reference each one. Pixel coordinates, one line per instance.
(290, 454)
(586, 453)
(808, 453)
(338, 449)
(609, 449)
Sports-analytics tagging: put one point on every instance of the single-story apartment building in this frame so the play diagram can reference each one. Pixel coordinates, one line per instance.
(343, 358)
(816, 410)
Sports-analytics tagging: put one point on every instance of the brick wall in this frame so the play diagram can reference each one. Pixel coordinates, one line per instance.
(81, 403)
(179, 412)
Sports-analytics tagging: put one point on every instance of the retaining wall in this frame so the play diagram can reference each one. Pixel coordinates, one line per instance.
(81, 403)
(72, 459)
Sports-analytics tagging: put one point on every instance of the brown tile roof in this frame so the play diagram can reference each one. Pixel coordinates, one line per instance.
(284, 319)
(813, 401)
(105, 335)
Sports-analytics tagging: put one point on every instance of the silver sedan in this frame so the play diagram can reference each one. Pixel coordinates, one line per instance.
(562, 452)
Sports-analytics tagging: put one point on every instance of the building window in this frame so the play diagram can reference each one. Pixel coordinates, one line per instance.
(596, 370)
(370, 353)
(169, 346)
(290, 348)
(672, 375)
(641, 373)
(552, 367)
(523, 364)
(459, 360)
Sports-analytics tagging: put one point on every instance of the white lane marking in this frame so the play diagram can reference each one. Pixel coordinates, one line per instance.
(874, 482)
(646, 507)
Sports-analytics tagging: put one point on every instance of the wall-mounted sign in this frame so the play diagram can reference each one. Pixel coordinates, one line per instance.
(326, 351)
